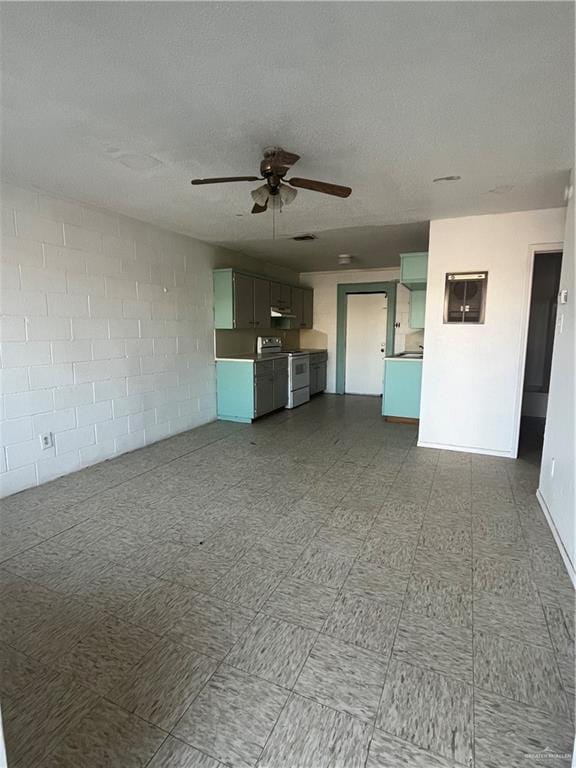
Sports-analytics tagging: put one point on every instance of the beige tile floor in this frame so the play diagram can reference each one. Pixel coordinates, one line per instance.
(311, 591)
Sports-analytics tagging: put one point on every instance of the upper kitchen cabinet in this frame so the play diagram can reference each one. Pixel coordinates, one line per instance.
(245, 301)
(302, 307)
(414, 270)
(417, 309)
(307, 308)
(261, 302)
(280, 296)
(241, 301)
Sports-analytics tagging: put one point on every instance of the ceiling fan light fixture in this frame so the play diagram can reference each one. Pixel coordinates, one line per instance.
(260, 195)
(287, 194)
(275, 202)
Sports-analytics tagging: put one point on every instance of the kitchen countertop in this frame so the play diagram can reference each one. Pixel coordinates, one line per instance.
(403, 358)
(255, 358)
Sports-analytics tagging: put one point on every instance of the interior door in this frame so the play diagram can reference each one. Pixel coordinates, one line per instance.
(365, 343)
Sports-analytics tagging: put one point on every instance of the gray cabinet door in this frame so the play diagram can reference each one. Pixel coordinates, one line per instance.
(321, 383)
(297, 307)
(261, 303)
(263, 394)
(307, 308)
(280, 390)
(285, 295)
(276, 295)
(243, 301)
(314, 378)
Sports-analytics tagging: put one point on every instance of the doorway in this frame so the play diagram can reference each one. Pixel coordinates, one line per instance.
(365, 343)
(539, 346)
(344, 292)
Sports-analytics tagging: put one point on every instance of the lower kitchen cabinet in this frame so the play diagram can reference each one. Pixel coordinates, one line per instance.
(247, 389)
(318, 364)
(402, 385)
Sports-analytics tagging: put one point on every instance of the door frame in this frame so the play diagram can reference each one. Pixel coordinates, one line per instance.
(517, 415)
(389, 288)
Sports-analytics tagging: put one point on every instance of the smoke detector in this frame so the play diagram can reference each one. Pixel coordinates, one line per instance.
(344, 258)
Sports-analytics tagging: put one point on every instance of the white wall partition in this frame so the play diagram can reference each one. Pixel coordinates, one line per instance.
(107, 334)
(473, 374)
(557, 492)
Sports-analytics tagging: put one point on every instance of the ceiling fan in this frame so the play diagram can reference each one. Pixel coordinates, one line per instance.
(275, 192)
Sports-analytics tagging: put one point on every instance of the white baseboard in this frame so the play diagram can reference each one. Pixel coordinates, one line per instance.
(467, 449)
(567, 562)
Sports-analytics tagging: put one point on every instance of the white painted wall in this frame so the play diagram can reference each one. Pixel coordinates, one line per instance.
(325, 285)
(473, 374)
(106, 331)
(556, 491)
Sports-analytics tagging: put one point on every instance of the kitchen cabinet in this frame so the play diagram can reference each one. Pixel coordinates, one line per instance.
(244, 301)
(401, 388)
(241, 300)
(318, 364)
(247, 389)
(414, 270)
(243, 310)
(280, 385)
(280, 295)
(263, 394)
(302, 307)
(417, 309)
(307, 308)
(261, 303)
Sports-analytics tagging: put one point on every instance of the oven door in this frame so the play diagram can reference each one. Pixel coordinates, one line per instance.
(299, 372)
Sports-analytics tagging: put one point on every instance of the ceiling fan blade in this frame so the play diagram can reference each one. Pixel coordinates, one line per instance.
(286, 158)
(321, 186)
(259, 208)
(225, 179)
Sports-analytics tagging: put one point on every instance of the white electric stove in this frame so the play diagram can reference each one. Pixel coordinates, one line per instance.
(298, 369)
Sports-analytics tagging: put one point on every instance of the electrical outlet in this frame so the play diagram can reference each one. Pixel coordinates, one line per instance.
(47, 440)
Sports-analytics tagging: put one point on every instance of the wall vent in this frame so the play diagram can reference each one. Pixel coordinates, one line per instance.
(302, 238)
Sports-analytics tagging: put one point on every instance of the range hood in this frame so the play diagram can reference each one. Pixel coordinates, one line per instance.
(278, 312)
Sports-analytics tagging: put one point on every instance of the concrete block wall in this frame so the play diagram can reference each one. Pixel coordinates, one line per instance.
(106, 335)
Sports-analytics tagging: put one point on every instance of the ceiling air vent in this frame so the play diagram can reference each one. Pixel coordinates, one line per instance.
(301, 238)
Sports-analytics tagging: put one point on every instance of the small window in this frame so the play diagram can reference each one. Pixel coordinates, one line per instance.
(465, 297)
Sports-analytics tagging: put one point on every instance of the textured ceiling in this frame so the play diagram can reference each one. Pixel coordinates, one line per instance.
(121, 104)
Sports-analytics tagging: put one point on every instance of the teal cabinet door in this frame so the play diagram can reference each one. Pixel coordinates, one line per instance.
(414, 270)
(417, 309)
(402, 385)
(235, 390)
